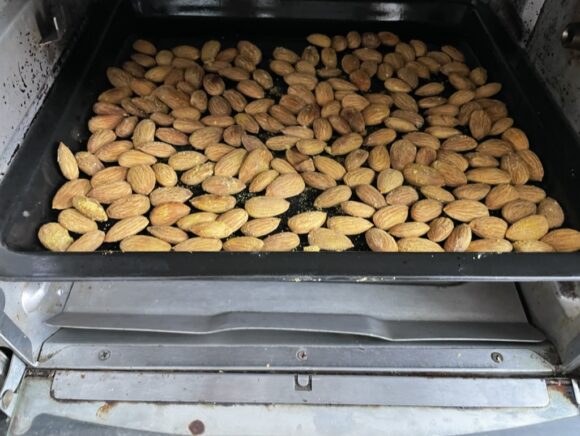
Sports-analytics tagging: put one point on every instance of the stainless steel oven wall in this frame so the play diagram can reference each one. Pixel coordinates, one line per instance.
(537, 25)
(33, 37)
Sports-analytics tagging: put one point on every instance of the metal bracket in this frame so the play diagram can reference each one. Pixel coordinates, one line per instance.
(8, 393)
(50, 18)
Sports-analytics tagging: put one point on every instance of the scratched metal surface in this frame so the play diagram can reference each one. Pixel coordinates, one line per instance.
(28, 68)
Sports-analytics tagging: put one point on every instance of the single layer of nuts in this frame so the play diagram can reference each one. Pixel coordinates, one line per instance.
(359, 140)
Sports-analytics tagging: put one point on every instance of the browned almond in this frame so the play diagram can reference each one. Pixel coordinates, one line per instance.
(133, 158)
(389, 179)
(426, 210)
(90, 208)
(490, 176)
(359, 176)
(243, 243)
(108, 175)
(421, 175)
(185, 160)
(264, 207)
(472, 191)
(500, 195)
(110, 192)
(465, 210)
(199, 245)
(379, 158)
(318, 180)
(553, 212)
(518, 209)
(285, 241)
(260, 227)
(355, 159)
(437, 193)
(198, 174)
(564, 240)
(330, 240)
(380, 241)
(452, 175)
(125, 228)
(306, 222)
(142, 243)
(67, 162)
(479, 124)
(205, 136)
(129, 206)
(406, 195)
(286, 186)
(532, 227)
(54, 237)
(333, 197)
(532, 161)
(390, 216)
(88, 242)
(167, 214)
(516, 167)
(501, 125)
(459, 239)
(63, 197)
(357, 209)
(345, 144)
(215, 152)
(440, 229)
(422, 139)
(402, 153)
(531, 193)
(517, 138)
(380, 137)
(489, 227)
(170, 234)
(459, 143)
(418, 245)
(348, 225)
(490, 246)
(532, 247)
(319, 40)
(76, 222)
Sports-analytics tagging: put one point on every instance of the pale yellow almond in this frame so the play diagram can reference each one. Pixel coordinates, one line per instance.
(489, 227)
(380, 241)
(490, 176)
(348, 225)
(330, 167)
(437, 193)
(421, 175)
(518, 209)
(187, 221)
(346, 143)
(465, 210)
(211, 229)
(329, 240)
(279, 242)
(357, 209)
(110, 192)
(222, 185)
(532, 227)
(173, 194)
(158, 149)
(256, 161)
(439, 229)
(426, 210)
(100, 138)
(333, 197)
(563, 240)
(88, 163)
(243, 243)
(109, 175)
(418, 245)
(389, 179)
(490, 246)
(261, 181)
(88, 242)
(500, 195)
(185, 160)
(90, 208)
(409, 230)
(144, 132)
(129, 206)
(199, 245)
(370, 195)
(125, 228)
(532, 246)
(390, 216)
(459, 239)
(531, 193)
(286, 186)
(198, 174)
(405, 195)
(63, 197)
(234, 218)
(142, 243)
(76, 222)
(260, 227)
(170, 234)
(472, 191)
(167, 214)
(264, 207)
(553, 212)
(54, 237)
(141, 178)
(213, 203)
(67, 162)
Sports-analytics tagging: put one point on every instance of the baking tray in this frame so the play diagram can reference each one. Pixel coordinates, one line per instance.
(33, 176)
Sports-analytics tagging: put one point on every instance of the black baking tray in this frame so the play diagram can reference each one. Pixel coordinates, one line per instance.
(33, 176)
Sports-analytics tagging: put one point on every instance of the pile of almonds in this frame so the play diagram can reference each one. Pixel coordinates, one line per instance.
(204, 149)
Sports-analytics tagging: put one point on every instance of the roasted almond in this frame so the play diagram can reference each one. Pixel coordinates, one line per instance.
(348, 225)
(329, 240)
(222, 185)
(90, 208)
(264, 207)
(500, 195)
(426, 210)
(465, 210)
(553, 212)
(286, 186)
(129, 206)
(563, 240)
(261, 226)
(518, 209)
(489, 227)
(532, 247)
(380, 241)
(390, 216)
(110, 192)
(54, 237)
(67, 162)
(418, 245)
(199, 245)
(142, 243)
(243, 243)
(198, 174)
(108, 175)
(490, 246)
(170, 234)
(440, 229)
(76, 222)
(333, 197)
(490, 176)
(421, 175)
(88, 242)
(532, 227)
(284, 241)
(167, 214)
(125, 228)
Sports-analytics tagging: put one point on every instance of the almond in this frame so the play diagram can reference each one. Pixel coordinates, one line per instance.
(198, 174)
(110, 192)
(63, 197)
(489, 227)
(318, 180)
(440, 229)
(211, 229)
(518, 209)
(100, 138)
(426, 210)
(421, 175)
(234, 218)
(379, 137)
(330, 240)
(532, 161)
(54, 237)
(260, 227)
(517, 138)
(76, 222)
(490, 176)
(516, 167)
(465, 210)
(330, 167)
(479, 124)
(67, 162)
(141, 243)
(185, 160)
(88, 163)
(459, 239)
(459, 143)
(532, 227)
(346, 143)
(286, 186)
(88, 242)
(257, 161)
(348, 225)
(141, 178)
(170, 234)
(490, 246)
(129, 206)
(167, 214)
(173, 194)
(409, 230)
(553, 212)
(262, 180)
(109, 175)
(500, 195)
(187, 221)
(199, 245)
(422, 139)
(125, 228)
(402, 153)
(405, 195)
(90, 208)
(357, 209)
(285, 241)
(452, 175)
(370, 195)
(264, 207)
(418, 245)
(390, 216)
(388, 180)
(563, 240)
(359, 176)
(333, 197)
(531, 193)
(202, 138)
(532, 247)
(380, 241)
(437, 193)
(243, 243)
(472, 191)
(222, 185)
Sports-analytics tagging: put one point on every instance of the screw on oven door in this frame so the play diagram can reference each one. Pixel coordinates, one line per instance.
(104, 354)
(302, 355)
(571, 36)
(497, 357)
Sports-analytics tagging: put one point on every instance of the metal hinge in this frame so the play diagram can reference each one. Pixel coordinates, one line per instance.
(13, 372)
